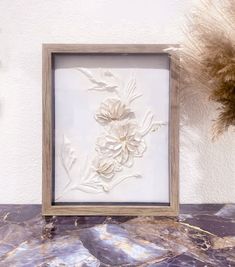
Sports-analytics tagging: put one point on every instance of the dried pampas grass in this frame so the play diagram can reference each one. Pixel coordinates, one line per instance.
(208, 57)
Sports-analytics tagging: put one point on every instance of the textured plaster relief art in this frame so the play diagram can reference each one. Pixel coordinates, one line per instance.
(122, 140)
(106, 136)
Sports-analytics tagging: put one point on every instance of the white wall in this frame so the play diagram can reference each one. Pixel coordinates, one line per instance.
(207, 169)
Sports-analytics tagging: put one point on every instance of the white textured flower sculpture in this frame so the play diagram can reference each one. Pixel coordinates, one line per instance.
(112, 110)
(105, 167)
(123, 142)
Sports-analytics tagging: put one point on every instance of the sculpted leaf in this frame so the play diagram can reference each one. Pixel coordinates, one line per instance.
(67, 154)
(105, 82)
(129, 94)
(150, 125)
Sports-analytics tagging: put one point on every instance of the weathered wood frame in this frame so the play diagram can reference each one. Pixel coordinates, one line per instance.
(48, 153)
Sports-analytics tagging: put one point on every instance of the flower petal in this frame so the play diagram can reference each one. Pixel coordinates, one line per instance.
(140, 149)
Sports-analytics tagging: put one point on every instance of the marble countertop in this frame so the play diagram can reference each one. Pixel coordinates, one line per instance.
(203, 235)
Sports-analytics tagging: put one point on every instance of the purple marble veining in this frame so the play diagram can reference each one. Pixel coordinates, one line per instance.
(203, 235)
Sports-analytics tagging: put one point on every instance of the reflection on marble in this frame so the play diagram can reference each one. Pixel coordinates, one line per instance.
(203, 235)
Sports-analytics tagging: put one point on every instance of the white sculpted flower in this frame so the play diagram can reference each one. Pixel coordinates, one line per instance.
(104, 167)
(122, 143)
(112, 109)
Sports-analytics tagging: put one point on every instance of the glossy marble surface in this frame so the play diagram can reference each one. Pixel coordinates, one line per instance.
(203, 235)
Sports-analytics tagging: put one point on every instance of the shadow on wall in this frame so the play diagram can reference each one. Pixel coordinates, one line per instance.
(206, 167)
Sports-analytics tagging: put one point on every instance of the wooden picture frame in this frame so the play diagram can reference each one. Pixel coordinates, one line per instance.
(48, 205)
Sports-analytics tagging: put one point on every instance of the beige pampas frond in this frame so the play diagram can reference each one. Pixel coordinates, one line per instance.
(208, 57)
